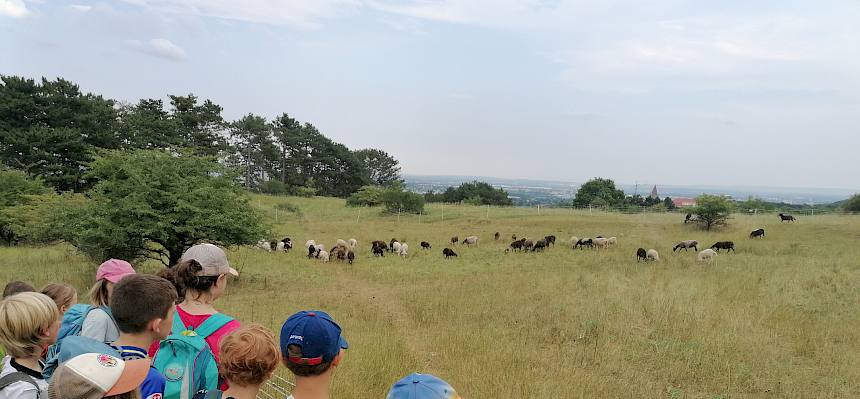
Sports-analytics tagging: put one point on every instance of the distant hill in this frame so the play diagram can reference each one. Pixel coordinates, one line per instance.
(528, 191)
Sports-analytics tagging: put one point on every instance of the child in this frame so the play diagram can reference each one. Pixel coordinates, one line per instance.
(249, 356)
(201, 275)
(63, 295)
(29, 322)
(14, 287)
(422, 386)
(98, 324)
(312, 347)
(96, 376)
(143, 307)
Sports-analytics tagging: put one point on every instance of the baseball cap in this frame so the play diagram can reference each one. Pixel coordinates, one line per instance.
(422, 386)
(212, 258)
(114, 270)
(316, 333)
(96, 375)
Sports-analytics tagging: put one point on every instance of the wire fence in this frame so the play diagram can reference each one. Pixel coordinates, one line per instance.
(276, 388)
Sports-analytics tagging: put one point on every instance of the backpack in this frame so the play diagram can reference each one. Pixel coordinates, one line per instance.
(186, 360)
(18, 376)
(211, 394)
(71, 326)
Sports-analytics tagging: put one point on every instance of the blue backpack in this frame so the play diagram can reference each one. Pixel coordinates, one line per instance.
(71, 326)
(186, 360)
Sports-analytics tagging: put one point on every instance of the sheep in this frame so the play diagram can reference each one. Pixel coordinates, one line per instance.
(378, 251)
(688, 218)
(528, 244)
(641, 254)
(573, 241)
(448, 252)
(391, 244)
(380, 244)
(350, 256)
(319, 247)
(352, 242)
(514, 237)
(403, 251)
(310, 243)
(340, 243)
(550, 240)
(600, 242)
(584, 242)
(288, 243)
(786, 218)
(496, 236)
(540, 245)
(312, 251)
(455, 240)
(686, 245)
(264, 245)
(470, 240)
(706, 255)
(612, 241)
(757, 233)
(652, 255)
(323, 256)
(339, 252)
(517, 245)
(727, 245)
(395, 247)
(425, 245)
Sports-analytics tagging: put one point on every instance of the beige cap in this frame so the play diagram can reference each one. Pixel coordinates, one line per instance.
(212, 258)
(96, 375)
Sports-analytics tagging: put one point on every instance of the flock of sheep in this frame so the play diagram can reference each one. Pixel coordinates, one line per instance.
(344, 250)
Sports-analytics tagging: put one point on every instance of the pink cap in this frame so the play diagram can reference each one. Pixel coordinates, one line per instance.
(114, 270)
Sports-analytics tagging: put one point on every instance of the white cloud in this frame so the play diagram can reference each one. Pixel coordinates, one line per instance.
(161, 48)
(81, 7)
(300, 14)
(13, 8)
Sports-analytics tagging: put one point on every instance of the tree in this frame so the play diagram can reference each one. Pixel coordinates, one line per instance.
(255, 151)
(382, 168)
(712, 210)
(852, 204)
(16, 189)
(154, 204)
(200, 127)
(669, 204)
(600, 192)
(366, 196)
(402, 201)
(476, 193)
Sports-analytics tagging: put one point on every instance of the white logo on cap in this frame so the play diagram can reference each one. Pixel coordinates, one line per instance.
(298, 337)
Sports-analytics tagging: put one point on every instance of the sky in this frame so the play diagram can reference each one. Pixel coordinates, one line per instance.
(763, 93)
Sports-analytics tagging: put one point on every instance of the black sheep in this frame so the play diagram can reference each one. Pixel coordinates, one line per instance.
(583, 242)
(517, 245)
(448, 252)
(496, 236)
(786, 218)
(727, 245)
(550, 240)
(757, 233)
(454, 239)
(641, 254)
(540, 245)
(350, 256)
(312, 251)
(425, 245)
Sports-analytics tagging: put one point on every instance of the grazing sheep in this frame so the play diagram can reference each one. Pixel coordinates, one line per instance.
(641, 254)
(455, 240)
(517, 245)
(686, 245)
(312, 251)
(496, 236)
(279, 246)
(352, 242)
(378, 251)
(573, 241)
(319, 247)
(688, 217)
(600, 242)
(540, 245)
(425, 245)
(550, 240)
(470, 240)
(380, 244)
(584, 242)
(391, 244)
(786, 218)
(612, 241)
(757, 233)
(339, 252)
(404, 249)
(323, 256)
(652, 255)
(528, 244)
(350, 256)
(727, 245)
(309, 243)
(395, 247)
(514, 237)
(448, 252)
(706, 255)
(288, 243)
(340, 243)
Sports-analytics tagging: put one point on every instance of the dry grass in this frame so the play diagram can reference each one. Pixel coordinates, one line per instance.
(777, 319)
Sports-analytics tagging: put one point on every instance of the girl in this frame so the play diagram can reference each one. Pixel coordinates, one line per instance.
(99, 324)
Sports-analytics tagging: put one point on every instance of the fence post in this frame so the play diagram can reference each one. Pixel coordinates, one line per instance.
(398, 215)
(443, 211)
(419, 217)
(488, 212)
(589, 208)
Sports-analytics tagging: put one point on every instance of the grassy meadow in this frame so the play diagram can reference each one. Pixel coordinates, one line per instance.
(777, 319)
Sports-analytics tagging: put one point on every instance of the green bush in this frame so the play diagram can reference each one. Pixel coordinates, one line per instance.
(403, 201)
(274, 187)
(852, 204)
(366, 196)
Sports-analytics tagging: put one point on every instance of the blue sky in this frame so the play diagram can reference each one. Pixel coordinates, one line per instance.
(763, 93)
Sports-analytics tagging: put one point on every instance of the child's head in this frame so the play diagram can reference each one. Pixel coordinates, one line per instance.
(311, 343)
(64, 295)
(109, 273)
(249, 355)
(14, 287)
(202, 271)
(143, 303)
(422, 386)
(97, 376)
(29, 322)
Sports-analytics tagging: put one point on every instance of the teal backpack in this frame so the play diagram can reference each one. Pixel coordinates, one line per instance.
(186, 360)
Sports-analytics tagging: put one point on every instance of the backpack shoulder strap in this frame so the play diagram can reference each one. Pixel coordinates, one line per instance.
(178, 325)
(212, 324)
(18, 376)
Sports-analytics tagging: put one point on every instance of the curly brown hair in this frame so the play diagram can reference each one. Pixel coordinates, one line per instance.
(249, 355)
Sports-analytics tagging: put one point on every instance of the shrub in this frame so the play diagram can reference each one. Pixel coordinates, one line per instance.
(403, 201)
(712, 210)
(366, 196)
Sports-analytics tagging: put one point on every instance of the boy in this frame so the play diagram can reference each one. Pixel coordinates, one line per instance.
(143, 307)
(422, 386)
(249, 357)
(15, 287)
(312, 347)
(29, 322)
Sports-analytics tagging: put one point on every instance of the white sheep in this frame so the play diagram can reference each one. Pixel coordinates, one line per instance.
(280, 246)
(310, 243)
(352, 243)
(470, 240)
(340, 243)
(612, 241)
(652, 255)
(322, 256)
(395, 247)
(706, 255)
(600, 242)
(573, 241)
(319, 248)
(403, 249)
(264, 245)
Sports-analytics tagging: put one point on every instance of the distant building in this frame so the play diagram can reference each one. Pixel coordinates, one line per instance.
(681, 202)
(654, 192)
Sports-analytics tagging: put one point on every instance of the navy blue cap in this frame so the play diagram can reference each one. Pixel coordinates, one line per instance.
(316, 333)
